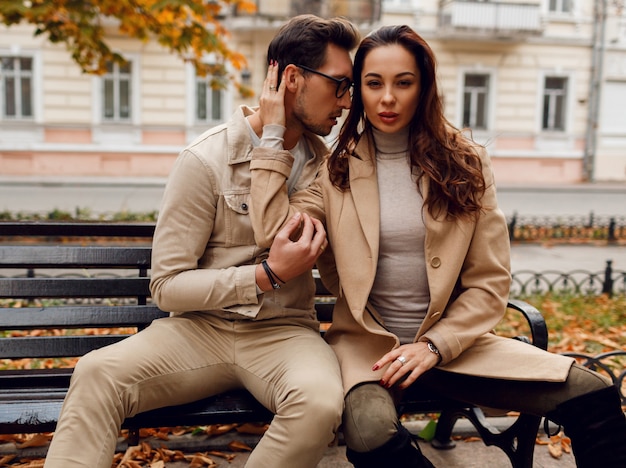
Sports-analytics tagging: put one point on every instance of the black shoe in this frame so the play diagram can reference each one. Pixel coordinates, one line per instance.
(596, 424)
(401, 451)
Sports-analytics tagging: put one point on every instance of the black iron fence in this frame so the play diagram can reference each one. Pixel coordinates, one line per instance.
(524, 282)
(583, 228)
(577, 282)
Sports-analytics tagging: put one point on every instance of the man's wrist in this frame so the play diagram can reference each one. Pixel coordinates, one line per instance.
(271, 276)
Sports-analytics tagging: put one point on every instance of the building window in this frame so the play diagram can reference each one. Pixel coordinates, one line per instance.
(561, 6)
(397, 5)
(116, 91)
(209, 100)
(16, 74)
(475, 101)
(554, 99)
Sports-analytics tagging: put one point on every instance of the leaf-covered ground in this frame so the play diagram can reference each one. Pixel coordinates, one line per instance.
(585, 324)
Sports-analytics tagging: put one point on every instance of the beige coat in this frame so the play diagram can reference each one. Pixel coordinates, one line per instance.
(467, 266)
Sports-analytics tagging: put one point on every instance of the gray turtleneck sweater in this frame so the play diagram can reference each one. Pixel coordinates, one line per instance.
(400, 291)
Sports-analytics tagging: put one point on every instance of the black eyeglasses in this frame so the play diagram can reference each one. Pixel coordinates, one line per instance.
(343, 84)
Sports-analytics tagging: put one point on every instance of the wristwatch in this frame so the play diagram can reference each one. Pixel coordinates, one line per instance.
(433, 349)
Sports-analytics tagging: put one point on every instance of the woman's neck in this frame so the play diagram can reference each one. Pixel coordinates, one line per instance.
(396, 143)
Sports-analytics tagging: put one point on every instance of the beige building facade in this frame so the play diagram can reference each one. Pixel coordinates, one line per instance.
(542, 83)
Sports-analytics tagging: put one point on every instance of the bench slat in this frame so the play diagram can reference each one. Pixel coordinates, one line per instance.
(54, 346)
(43, 384)
(92, 316)
(32, 288)
(29, 416)
(78, 229)
(42, 256)
(233, 407)
(324, 311)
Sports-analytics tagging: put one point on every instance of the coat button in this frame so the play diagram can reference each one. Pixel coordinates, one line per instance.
(244, 206)
(435, 262)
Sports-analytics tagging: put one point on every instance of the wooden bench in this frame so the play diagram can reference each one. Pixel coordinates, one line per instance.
(91, 280)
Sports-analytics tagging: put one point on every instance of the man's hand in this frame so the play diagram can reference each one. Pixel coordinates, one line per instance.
(290, 258)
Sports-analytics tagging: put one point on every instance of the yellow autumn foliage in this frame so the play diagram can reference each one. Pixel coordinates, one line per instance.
(191, 29)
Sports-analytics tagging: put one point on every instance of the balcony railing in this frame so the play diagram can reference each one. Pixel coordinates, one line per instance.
(490, 17)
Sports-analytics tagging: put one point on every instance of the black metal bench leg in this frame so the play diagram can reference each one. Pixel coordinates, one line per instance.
(443, 432)
(517, 441)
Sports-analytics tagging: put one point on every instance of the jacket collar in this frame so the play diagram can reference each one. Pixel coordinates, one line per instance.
(238, 139)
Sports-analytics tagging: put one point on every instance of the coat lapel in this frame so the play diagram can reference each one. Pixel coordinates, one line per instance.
(364, 187)
(356, 231)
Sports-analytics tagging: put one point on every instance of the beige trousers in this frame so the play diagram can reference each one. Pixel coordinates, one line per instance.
(284, 363)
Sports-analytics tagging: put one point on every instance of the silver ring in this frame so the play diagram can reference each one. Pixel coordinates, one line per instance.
(402, 360)
(272, 88)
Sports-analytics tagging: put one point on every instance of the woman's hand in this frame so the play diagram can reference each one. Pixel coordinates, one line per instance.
(415, 359)
(272, 100)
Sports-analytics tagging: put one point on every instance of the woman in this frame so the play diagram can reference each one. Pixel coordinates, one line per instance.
(419, 259)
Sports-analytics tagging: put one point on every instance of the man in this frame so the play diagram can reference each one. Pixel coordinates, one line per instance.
(240, 317)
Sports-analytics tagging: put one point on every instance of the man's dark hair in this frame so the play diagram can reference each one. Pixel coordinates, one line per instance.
(303, 40)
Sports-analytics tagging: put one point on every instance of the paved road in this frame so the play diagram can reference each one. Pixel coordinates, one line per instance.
(601, 199)
(144, 195)
(98, 196)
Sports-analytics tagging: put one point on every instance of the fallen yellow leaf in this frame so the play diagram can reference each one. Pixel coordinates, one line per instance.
(6, 459)
(250, 428)
(239, 446)
(37, 440)
(218, 429)
(555, 450)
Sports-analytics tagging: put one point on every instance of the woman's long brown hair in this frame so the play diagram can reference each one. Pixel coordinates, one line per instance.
(437, 149)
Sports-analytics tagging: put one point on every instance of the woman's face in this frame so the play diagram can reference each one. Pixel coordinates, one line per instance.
(390, 86)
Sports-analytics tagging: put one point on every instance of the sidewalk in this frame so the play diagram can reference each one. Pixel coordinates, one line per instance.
(469, 452)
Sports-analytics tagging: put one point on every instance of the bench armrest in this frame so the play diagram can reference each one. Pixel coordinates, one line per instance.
(538, 327)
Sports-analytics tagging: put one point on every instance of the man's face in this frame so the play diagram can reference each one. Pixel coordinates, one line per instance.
(317, 107)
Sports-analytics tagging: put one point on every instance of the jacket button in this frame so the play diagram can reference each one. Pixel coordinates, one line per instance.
(435, 262)
(244, 206)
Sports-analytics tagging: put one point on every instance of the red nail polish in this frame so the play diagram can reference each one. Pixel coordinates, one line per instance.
(382, 382)
(376, 367)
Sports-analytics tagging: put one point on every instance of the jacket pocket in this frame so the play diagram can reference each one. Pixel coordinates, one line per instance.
(236, 218)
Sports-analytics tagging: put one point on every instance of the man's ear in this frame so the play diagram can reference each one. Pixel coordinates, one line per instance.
(291, 77)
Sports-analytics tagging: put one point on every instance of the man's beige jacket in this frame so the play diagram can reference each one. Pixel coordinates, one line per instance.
(203, 253)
